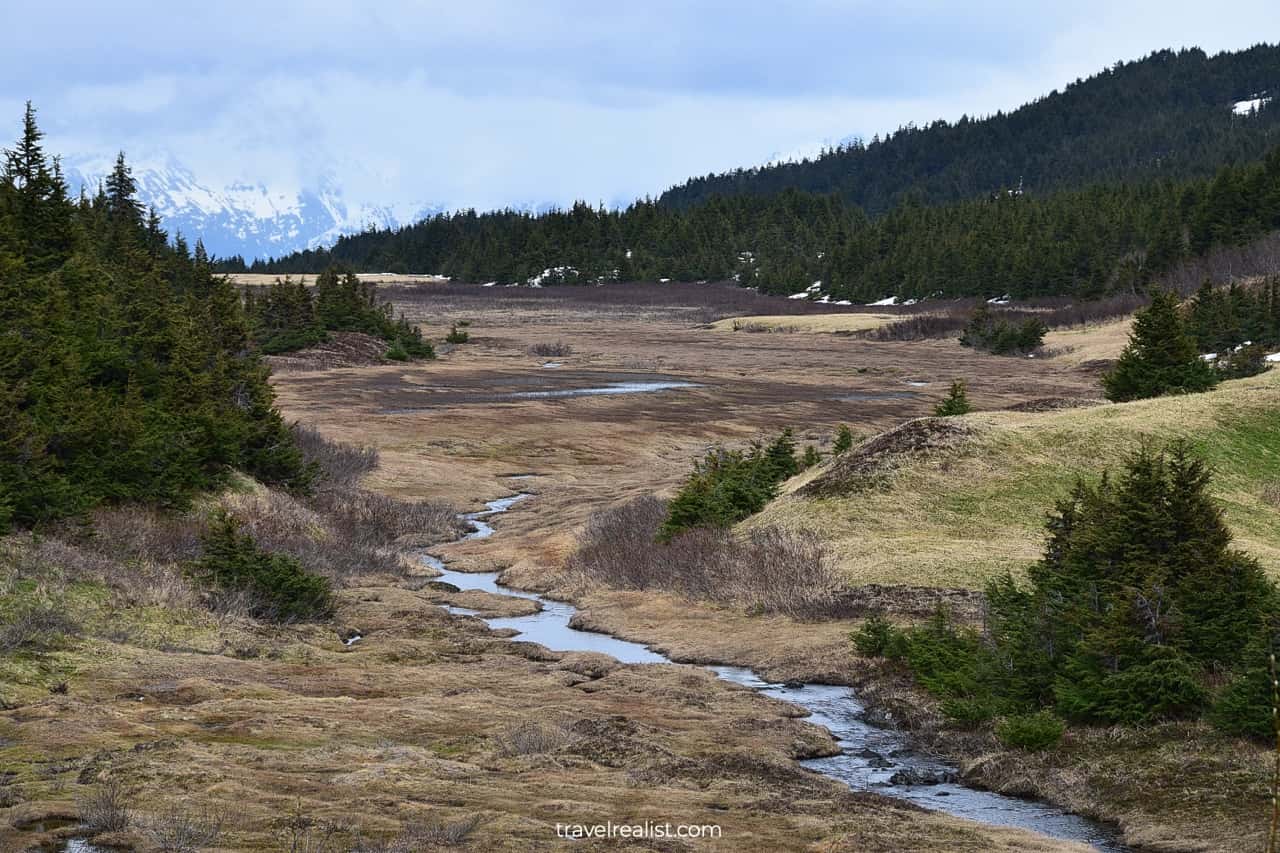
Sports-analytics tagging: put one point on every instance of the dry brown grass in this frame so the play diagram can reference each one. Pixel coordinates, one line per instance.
(263, 279)
(429, 834)
(1095, 343)
(532, 737)
(184, 829)
(961, 517)
(817, 323)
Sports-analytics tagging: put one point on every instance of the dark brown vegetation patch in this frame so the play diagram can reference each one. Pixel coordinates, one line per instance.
(343, 349)
(1053, 404)
(867, 465)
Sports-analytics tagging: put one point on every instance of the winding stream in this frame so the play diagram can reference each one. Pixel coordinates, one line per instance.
(871, 758)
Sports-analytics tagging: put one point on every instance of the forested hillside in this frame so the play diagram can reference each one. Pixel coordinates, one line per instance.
(125, 367)
(1100, 239)
(1169, 115)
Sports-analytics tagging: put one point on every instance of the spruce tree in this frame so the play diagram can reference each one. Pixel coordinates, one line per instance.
(123, 361)
(1160, 358)
(955, 403)
(844, 439)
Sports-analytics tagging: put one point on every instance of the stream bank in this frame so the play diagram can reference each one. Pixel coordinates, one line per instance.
(871, 757)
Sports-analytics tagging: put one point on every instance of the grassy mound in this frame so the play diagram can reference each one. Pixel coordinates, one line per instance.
(967, 509)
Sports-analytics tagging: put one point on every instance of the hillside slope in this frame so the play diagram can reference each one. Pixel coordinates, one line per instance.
(1171, 114)
(958, 515)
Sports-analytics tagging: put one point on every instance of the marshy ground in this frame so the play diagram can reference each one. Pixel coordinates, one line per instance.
(433, 718)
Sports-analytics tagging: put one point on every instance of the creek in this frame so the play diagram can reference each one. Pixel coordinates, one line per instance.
(872, 757)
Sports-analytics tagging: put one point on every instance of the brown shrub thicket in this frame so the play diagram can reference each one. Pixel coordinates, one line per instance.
(945, 320)
(1226, 264)
(700, 303)
(767, 569)
(555, 349)
(335, 462)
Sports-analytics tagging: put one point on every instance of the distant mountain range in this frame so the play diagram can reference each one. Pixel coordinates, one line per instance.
(249, 220)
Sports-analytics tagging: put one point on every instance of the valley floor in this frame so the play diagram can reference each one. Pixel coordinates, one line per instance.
(427, 716)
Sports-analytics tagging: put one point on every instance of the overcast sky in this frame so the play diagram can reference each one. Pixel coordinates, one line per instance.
(491, 102)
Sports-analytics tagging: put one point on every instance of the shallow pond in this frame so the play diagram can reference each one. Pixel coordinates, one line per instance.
(609, 389)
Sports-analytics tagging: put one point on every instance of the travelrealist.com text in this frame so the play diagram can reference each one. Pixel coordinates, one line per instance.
(647, 829)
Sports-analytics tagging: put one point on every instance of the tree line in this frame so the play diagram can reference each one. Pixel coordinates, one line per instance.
(1166, 116)
(287, 315)
(1083, 243)
(126, 366)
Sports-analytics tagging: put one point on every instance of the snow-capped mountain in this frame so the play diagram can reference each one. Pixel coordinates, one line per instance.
(252, 220)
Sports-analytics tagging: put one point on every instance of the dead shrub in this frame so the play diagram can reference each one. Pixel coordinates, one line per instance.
(344, 531)
(532, 738)
(335, 462)
(363, 521)
(761, 328)
(181, 830)
(140, 533)
(301, 833)
(784, 572)
(766, 570)
(919, 327)
(377, 520)
(38, 625)
(1054, 312)
(40, 556)
(130, 550)
(105, 808)
(430, 834)
(556, 349)
(1271, 493)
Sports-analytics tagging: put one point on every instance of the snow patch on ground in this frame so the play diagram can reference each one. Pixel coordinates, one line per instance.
(551, 274)
(888, 300)
(1274, 357)
(1252, 105)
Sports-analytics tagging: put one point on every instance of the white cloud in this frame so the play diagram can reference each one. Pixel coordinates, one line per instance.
(490, 102)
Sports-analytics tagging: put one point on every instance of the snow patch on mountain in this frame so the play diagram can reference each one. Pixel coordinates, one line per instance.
(253, 220)
(1250, 105)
